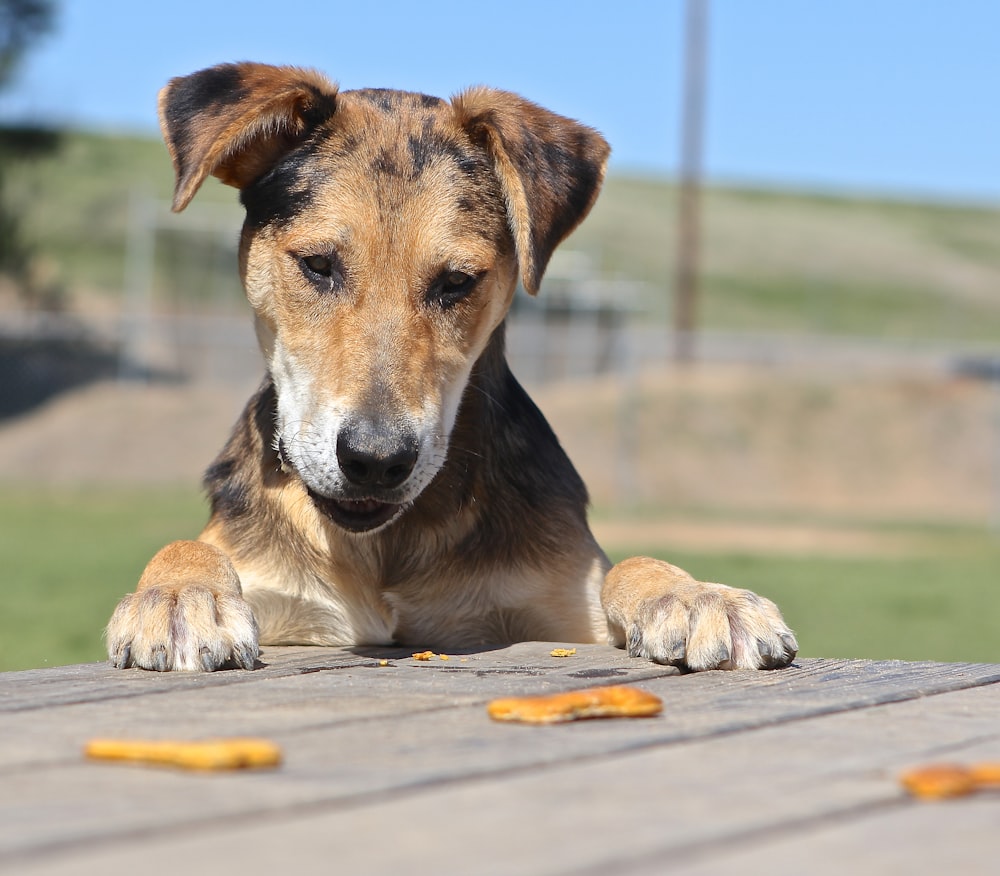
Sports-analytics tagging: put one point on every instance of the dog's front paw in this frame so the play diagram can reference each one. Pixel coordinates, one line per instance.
(200, 622)
(659, 611)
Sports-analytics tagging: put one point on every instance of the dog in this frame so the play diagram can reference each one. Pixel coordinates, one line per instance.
(391, 482)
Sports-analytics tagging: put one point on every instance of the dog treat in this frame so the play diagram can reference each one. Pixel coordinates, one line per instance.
(986, 775)
(208, 754)
(562, 652)
(940, 781)
(598, 702)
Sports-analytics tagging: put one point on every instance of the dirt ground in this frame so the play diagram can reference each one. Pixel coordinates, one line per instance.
(742, 446)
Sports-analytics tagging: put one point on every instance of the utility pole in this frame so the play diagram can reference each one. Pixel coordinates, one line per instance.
(688, 224)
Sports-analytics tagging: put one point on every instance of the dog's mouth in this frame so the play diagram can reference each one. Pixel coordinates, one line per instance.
(355, 515)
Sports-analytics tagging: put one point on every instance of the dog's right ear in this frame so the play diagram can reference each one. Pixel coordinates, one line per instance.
(235, 120)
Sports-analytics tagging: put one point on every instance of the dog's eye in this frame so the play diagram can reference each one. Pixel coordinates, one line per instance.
(319, 265)
(451, 287)
(324, 271)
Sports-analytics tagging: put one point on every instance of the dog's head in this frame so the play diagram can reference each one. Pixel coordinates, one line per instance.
(385, 232)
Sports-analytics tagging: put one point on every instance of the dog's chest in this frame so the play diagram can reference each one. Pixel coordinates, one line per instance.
(489, 608)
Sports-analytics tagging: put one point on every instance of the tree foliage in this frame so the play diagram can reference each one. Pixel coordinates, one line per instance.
(22, 22)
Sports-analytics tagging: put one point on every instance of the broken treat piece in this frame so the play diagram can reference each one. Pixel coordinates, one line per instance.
(598, 702)
(209, 754)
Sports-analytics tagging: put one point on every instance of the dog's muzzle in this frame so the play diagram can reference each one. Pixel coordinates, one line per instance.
(374, 465)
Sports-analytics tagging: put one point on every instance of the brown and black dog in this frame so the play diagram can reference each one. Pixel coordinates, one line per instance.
(391, 482)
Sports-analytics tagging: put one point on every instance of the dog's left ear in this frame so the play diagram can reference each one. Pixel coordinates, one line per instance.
(235, 120)
(550, 168)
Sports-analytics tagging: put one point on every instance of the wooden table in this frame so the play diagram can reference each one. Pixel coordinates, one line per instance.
(396, 769)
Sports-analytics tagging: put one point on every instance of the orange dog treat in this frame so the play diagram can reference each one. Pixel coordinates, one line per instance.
(985, 775)
(424, 655)
(562, 652)
(210, 754)
(598, 702)
(938, 782)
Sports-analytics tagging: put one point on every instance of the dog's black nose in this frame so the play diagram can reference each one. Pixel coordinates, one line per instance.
(370, 456)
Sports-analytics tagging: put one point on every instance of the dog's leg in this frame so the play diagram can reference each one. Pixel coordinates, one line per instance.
(188, 612)
(659, 611)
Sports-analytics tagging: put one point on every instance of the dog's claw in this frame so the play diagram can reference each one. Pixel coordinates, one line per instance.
(159, 658)
(246, 656)
(208, 662)
(790, 642)
(122, 657)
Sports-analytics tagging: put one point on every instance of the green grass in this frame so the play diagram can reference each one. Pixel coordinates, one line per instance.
(68, 557)
(790, 304)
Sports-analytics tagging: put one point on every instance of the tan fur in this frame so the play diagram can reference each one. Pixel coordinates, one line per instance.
(391, 481)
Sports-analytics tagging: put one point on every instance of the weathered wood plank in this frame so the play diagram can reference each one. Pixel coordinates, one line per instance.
(526, 666)
(907, 836)
(742, 798)
(98, 682)
(960, 837)
(303, 692)
(355, 731)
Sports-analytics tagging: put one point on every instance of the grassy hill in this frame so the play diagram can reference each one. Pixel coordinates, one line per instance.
(772, 260)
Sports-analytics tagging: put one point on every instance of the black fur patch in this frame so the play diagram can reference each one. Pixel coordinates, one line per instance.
(222, 85)
(189, 96)
(422, 152)
(560, 166)
(385, 99)
(229, 481)
(386, 164)
(227, 492)
(285, 191)
(431, 144)
(389, 100)
(428, 102)
(319, 109)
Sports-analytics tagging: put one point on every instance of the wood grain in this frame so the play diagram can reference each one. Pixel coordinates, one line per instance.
(389, 764)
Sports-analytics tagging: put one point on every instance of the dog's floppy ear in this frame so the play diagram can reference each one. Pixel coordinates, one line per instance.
(235, 120)
(550, 168)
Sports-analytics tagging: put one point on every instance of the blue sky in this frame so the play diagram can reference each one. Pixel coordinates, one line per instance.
(887, 96)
